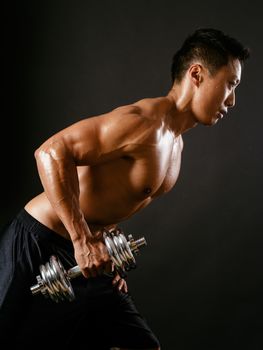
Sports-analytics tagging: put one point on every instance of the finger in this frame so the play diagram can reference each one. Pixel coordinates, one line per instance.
(120, 285)
(125, 287)
(115, 279)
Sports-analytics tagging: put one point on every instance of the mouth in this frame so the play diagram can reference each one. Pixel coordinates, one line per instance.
(220, 114)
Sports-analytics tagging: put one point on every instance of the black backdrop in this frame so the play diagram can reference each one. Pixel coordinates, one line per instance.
(199, 281)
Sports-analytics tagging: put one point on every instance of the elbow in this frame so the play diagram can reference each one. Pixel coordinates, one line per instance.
(54, 149)
(43, 157)
(37, 153)
(42, 152)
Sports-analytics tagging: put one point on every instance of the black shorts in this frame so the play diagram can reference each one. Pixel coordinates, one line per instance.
(100, 317)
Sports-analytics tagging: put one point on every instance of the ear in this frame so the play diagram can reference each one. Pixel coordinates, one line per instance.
(195, 73)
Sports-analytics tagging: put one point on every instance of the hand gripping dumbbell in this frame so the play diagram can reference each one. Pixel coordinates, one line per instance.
(54, 280)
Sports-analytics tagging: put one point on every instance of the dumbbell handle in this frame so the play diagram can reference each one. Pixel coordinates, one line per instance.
(134, 245)
(54, 280)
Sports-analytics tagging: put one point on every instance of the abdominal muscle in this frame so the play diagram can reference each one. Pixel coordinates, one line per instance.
(98, 217)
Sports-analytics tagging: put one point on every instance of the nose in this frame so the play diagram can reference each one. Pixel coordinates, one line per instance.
(231, 99)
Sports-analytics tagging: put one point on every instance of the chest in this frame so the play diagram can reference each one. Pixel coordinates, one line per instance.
(138, 174)
(150, 171)
(157, 172)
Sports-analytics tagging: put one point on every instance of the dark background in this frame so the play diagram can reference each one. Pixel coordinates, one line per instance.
(199, 280)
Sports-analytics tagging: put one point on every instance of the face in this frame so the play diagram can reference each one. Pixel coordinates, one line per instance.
(214, 95)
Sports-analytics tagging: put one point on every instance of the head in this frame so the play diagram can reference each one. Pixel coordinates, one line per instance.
(209, 63)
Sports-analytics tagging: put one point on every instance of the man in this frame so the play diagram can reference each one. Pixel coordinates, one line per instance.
(97, 173)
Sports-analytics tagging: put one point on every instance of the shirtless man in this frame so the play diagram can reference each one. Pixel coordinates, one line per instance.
(103, 169)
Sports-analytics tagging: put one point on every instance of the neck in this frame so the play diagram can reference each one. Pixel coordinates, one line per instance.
(181, 115)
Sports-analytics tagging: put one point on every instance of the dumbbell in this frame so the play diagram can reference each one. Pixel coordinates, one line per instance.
(54, 280)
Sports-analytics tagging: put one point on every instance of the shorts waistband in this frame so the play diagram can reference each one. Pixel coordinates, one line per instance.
(35, 226)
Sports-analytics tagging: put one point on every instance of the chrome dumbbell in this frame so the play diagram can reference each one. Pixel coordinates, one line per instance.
(54, 280)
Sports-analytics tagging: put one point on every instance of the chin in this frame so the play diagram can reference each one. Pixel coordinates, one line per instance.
(214, 122)
(209, 122)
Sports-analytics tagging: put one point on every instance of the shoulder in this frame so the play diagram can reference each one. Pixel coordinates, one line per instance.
(127, 128)
(118, 121)
(126, 120)
(126, 116)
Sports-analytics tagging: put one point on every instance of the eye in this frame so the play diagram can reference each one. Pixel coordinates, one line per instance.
(232, 84)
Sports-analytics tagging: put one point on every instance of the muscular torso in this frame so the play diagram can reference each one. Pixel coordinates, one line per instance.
(112, 191)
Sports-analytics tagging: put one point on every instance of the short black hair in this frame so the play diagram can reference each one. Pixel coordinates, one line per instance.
(210, 46)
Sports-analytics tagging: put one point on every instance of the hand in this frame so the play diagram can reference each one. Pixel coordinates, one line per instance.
(93, 258)
(120, 283)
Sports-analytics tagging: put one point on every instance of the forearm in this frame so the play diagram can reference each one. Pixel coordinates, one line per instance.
(58, 174)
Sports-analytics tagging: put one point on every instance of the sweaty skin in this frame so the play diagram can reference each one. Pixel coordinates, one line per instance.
(124, 159)
(103, 169)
